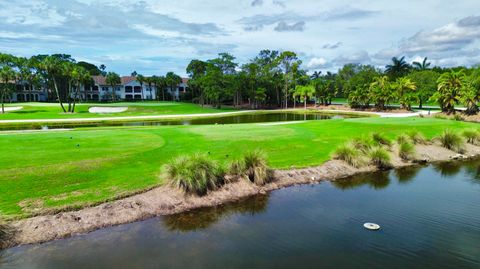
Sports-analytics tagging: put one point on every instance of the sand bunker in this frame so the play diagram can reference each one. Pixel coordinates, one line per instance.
(106, 109)
(13, 108)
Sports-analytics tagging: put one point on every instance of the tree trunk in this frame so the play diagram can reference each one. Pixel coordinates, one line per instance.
(305, 102)
(58, 95)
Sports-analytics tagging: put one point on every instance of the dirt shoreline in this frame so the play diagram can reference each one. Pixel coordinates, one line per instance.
(165, 200)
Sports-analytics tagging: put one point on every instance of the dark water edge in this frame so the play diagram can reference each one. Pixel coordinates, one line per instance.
(210, 120)
(430, 218)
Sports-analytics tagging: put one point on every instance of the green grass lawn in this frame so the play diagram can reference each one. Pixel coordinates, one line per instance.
(54, 111)
(48, 170)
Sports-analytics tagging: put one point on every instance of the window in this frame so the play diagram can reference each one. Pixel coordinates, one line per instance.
(105, 89)
(137, 89)
(128, 88)
(95, 88)
(128, 96)
(138, 97)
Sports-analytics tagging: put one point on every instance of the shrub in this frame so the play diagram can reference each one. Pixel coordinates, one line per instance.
(6, 234)
(195, 174)
(406, 151)
(348, 154)
(403, 139)
(380, 139)
(362, 144)
(472, 136)
(452, 140)
(458, 117)
(237, 168)
(417, 137)
(256, 167)
(380, 158)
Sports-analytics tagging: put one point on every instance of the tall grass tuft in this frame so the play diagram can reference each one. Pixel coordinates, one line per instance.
(403, 139)
(452, 140)
(362, 144)
(237, 168)
(472, 136)
(380, 139)
(417, 137)
(349, 154)
(195, 174)
(406, 151)
(6, 234)
(257, 168)
(380, 158)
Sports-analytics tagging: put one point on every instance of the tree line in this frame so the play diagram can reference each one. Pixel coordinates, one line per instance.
(277, 79)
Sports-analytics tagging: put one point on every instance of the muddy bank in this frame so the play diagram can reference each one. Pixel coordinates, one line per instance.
(166, 200)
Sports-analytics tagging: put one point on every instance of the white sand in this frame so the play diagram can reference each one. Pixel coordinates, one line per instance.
(106, 109)
(13, 108)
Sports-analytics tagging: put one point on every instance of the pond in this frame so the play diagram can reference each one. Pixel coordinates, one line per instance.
(430, 218)
(230, 119)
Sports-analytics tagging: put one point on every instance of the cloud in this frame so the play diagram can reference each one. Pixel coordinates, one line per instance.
(294, 27)
(358, 57)
(256, 3)
(332, 46)
(279, 3)
(316, 63)
(349, 13)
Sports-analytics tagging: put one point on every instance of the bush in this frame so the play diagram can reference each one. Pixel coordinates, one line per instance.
(237, 168)
(380, 158)
(348, 154)
(256, 167)
(452, 140)
(381, 139)
(406, 151)
(472, 136)
(195, 174)
(6, 234)
(458, 117)
(362, 144)
(403, 139)
(417, 137)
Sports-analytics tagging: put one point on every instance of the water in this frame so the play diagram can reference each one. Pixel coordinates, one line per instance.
(231, 119)
(430, 218)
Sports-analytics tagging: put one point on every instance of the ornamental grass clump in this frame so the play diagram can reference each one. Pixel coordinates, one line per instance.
(472, 136)
(417, 138)
(256, 167)
(452, 141)
(406, 151)
(195, 174)
(403, 139)
(380, 158)
(381, 140)
(363, 144)
(349, 154)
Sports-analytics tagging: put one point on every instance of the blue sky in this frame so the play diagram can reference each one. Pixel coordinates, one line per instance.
(156, 36)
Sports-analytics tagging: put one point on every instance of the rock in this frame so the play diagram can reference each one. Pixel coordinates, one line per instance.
(457, 157)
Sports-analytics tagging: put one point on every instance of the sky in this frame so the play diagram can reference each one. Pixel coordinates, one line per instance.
(153, 37)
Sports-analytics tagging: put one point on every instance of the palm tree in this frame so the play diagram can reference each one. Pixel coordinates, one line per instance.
(405, 89)
(7, 74)
(172, 80)
(316, 75)
(449, 88)
(150, 81)
(424, 65)
(113, 79)
(398, 68)
(81, 77)
(52, 66)
(141, 79)
(160, 85)
(380, 91)
(305, 92)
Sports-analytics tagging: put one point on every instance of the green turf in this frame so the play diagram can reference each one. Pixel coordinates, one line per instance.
(54, 111)
(48, 170)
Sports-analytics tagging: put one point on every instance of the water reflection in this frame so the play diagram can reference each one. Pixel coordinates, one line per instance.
(205, 217)
(407, 174)
(376, 180)
(447, 169)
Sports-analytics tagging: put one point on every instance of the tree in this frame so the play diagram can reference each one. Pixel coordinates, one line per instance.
(424, 65)
(426, 82)
(53, 68)
(195, 70)
(305, 93)
(7, 74)
(172, 80)
(356, 82)
(113, 79)
(160, 84)
(325, 88)
(141, 79)
(398, 68)
(287, 60)
(405, 92)
(448, 91)
(470, 92)
(91, 68)
(381, 92)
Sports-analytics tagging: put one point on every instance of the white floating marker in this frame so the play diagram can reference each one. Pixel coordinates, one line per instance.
(371, 226)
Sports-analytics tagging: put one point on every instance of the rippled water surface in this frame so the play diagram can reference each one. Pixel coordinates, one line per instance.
(430, 218)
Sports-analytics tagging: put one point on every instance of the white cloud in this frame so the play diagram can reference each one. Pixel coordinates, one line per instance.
(316, 63)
